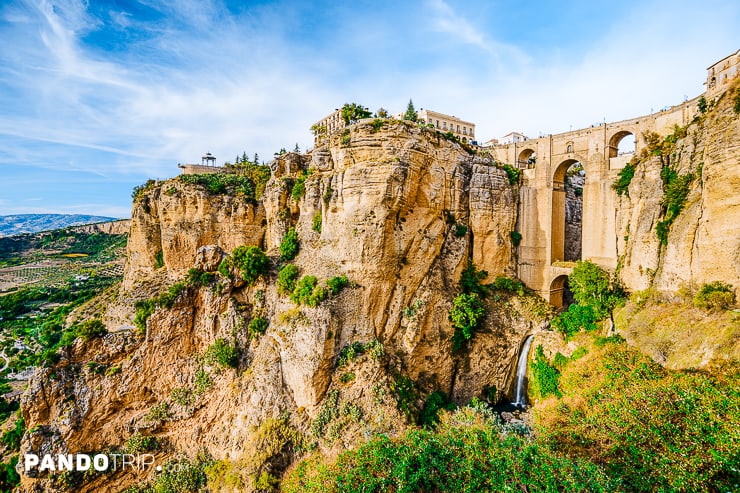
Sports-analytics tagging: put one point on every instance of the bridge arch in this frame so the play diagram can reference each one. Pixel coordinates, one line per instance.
(618, 145)
(566, 242)
(558, 286)
(527, 158)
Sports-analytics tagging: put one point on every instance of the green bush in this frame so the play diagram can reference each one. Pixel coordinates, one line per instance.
(715, 296)
(702, 105)
(251, 262)
(159, 260)
(624, 178)
(593, 286)
(257, 326)
(576, 318)
(144, 308)
(316, 225)
(197, 277)
(91, 329)
(290, 245)
(507, 284)
(460, 230)
(243, 183)
(350, 352)
(287, 277)
(299, 188)
(471, 456)
(512, 173)
(466, 315)
(307, 292)
(544, 381)
(676, 190)
(435, 402)
(470, 281)
(336, 284)
(141, 443)
(223, 353)
(9, 478)
(516, 238)
(12, 438)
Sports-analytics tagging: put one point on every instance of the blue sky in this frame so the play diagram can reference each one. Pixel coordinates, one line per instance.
(98, 96)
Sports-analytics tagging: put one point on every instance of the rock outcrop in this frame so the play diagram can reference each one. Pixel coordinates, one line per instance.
(399, 210)
(703, 243)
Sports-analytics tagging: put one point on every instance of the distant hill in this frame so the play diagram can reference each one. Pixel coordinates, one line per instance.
(32, 223)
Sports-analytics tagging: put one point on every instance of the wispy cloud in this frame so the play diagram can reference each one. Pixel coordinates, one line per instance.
(124, 91)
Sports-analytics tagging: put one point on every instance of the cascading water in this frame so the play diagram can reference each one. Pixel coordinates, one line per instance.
(521, 374)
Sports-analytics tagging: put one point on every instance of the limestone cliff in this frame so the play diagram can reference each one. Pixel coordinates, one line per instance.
(703, 243)
(397, 209)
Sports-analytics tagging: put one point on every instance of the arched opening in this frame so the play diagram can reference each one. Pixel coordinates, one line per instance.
(567, 211)
(620, 145)
(560, 295)
(527, 159)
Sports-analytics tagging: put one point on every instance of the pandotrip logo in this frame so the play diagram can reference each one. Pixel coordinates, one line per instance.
(85, 462)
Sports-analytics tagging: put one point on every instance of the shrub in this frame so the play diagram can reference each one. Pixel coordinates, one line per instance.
(676, 190)
(512, 173)
(715, 296)
(460, 230)
(576, 318)
(336, 284)
(316, 225)
(243, 183)
(624, 178)
(507, 284)
(159, 260)
(516, 238)
(251, 261)
(405, 393)
(545, 376)
(287, 277)
(347, 377)
(158, 412)
(290, 245)
(377, 124)
(299, 188)
(257, 325)
(702, 105)
(435, 402)
(141, 443)
(91, 328)
(591, 285)
(470, 281)
(466, 315)
(223, 353)
(144, 308)
(307, 292)
(197, 277)
(12, 438)
(736, 106)
(350, 352)
(139, 190)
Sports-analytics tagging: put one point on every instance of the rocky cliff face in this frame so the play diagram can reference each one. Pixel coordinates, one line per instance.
(573, 216)
(401, 210)
(703, 243)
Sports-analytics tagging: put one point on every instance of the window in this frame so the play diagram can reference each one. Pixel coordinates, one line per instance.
(437, 123)
(458, 129)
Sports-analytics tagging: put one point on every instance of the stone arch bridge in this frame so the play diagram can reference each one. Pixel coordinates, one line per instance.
(541, 219)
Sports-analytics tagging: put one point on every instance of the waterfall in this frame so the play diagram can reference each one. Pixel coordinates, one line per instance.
(521, 374)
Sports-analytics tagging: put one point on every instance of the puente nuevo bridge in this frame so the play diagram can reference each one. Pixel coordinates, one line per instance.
(544, 162)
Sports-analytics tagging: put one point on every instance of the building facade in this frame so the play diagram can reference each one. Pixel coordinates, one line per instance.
(512, 137)
(327, 125)
(721, 73)
(465, 131)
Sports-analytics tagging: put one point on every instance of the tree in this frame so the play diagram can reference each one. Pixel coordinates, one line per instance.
(296, 148)
(591, 285)
(352, 113)
(256, 160)
(382, 113)
(702, 104)
(410, 114)
(245, 159)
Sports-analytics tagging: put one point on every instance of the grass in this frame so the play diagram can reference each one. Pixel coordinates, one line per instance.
(649, 428)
